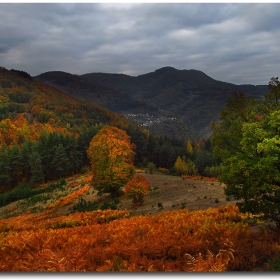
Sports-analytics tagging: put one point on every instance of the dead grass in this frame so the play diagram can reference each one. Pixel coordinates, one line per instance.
(168, 193)
(174, 192)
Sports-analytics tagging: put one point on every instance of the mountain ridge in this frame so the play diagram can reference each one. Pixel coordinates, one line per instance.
(191, 96)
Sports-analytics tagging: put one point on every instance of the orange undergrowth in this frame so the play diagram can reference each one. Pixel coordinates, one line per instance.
(66, 200)
(203, 178)
(180, 240)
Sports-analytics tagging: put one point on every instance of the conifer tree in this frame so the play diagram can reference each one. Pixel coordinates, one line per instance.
(35, 161)
(4, 166)
(16, 165)
(60, 162)
(26, 152)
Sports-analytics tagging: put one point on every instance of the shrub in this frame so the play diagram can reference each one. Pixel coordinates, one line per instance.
(160, 205)
(213, 171)
(84, 206)
(151, 166)
(137, 188)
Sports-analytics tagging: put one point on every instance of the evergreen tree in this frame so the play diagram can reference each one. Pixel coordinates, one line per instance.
(4, 166)
(139, 139)
(35, 161)
(25, 155)
(48, 151)
(60, 163)
(16, 165)
(74, 155)
(167, 155)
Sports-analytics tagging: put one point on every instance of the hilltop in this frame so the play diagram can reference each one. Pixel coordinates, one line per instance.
(168, 101)
(189, 95)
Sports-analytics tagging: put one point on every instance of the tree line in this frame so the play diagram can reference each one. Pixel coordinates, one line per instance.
(55, 155)
(247, 140)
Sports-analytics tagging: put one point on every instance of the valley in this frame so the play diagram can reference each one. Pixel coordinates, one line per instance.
(190, 96)
(147, 120)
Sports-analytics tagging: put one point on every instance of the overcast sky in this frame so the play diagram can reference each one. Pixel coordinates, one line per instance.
(236, 43)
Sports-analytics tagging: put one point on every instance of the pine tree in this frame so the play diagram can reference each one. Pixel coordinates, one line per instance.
(74, 155)
(60, 162)
(16, 165)
(35, 161)
(49, 144)
(25, 155)
(4, 166)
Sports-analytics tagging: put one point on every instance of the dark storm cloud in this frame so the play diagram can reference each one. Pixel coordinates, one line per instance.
(236, 43)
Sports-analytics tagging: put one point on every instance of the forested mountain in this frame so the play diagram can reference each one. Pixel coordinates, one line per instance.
(45, 133)
(189, 95)
(158, 121)
(168, 101)
(99, 94)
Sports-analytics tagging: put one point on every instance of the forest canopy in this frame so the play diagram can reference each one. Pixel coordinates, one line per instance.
(247, 140)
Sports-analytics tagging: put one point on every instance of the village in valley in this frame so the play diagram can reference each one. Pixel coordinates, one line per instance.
(146, 120)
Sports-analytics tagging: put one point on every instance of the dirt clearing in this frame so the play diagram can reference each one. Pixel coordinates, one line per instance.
(174, 192)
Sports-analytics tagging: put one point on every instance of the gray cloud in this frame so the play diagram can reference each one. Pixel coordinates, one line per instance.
(236, 43)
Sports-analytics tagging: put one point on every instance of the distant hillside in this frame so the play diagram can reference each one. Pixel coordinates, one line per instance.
(101, 95)
(162, 123)
(45, 133)
(20, 93)
(190, 95)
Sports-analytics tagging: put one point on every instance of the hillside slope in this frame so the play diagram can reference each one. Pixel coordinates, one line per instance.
(190, 95)
(45, 133)
(158, 121)
(101, 95)
(20, 93)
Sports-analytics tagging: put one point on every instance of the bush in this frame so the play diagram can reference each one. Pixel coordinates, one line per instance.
(137, 188)
(213, 171)
(151, 166)
(84, 170)
(20, 192)
(85, 206)
(24, 190)
(184, 166)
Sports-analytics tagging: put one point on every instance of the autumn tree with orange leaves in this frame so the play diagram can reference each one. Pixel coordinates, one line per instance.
(137, 188)
(111, 156)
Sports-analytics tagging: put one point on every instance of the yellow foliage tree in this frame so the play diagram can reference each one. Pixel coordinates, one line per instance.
(180, 166)
(189, 148)
(111, 156)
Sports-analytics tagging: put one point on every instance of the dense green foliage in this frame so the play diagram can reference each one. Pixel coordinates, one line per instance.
(53, 156)
(248, 142)
(25, 191)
